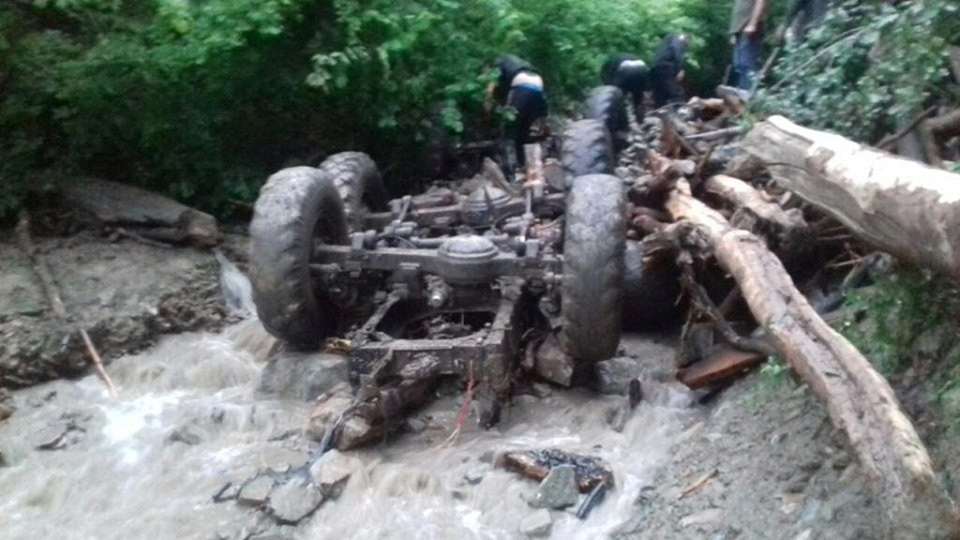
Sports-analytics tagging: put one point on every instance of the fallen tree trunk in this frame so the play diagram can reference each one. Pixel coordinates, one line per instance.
(743, 196)
(898, 205)
(859, 401)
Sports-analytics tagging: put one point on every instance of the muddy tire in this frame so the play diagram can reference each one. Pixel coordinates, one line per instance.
(594, 243)
(586, 149)
(359, 184)
(606, 103)
(296, 207)
(650, 294)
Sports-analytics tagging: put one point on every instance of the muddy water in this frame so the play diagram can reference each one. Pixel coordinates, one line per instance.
(188, 419)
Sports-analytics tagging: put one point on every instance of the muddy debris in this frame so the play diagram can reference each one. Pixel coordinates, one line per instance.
(537, 464)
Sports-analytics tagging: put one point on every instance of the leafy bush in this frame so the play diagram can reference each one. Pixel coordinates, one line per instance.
(868, 67)
(203, 98)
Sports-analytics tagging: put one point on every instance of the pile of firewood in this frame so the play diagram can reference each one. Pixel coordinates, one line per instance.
(781, 206)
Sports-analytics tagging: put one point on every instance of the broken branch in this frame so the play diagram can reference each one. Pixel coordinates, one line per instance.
(859, 400)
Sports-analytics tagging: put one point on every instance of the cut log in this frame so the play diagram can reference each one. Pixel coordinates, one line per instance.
(120, 204)
(859, 401)
(900, 206)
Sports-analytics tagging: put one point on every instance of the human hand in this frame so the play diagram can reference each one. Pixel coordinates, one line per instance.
(681, 75)
(733, 39)
(750, 29)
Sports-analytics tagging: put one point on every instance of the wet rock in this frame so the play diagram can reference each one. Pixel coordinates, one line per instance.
(6, 411)
(488, 456)
(284, 435)
(256, 491)
(7, 407)
(711, 515)
(303, 376)
(475, 476)
(537, 524)
(332, 471)
(417, 424)
(59, 436)
(184, 435)
(227, 492)
(541, 390)
(558, 490)
(617, 416)
(294, 501)
(328, 409)
(552, 363)
(614, 375)
(537, 464)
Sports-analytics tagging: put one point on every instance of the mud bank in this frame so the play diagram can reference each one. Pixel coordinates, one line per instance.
(124, 293)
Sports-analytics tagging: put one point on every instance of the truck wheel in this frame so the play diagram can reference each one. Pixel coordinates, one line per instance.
(359, 184)
(650, 295)
(587, 149)
(606, 103)
(593, 248)
(296, 207)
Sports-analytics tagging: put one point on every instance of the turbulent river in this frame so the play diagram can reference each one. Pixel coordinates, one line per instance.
(188, 419)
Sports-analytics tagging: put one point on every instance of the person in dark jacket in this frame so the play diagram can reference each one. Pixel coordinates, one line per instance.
(519, 87)
(666, 74)
(629, 74)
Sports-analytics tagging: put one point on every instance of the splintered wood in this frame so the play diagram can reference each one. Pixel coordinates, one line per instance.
(859, 400)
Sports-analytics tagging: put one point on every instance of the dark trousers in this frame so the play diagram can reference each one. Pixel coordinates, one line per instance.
(528, 105)
(632, 81)
(666, 88)
(746, 56)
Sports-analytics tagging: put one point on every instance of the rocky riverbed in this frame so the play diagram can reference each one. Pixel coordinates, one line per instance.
(208, 437)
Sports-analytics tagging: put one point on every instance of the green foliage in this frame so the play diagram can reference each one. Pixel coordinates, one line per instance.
(887, 319)
(204, 98)
(868, 67)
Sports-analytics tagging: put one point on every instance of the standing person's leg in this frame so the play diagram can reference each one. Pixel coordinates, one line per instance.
(746, 55)
(529, 105)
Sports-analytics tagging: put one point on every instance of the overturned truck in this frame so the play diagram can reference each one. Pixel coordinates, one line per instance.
(441, 284)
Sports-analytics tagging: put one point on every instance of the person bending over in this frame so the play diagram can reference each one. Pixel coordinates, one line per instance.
(629, 74)
(666, 75)
(518, 87)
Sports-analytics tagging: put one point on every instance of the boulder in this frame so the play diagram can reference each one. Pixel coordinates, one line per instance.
(295, 500)
(332, 471)
(256, 491)
(302, 376)
(558, 490)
